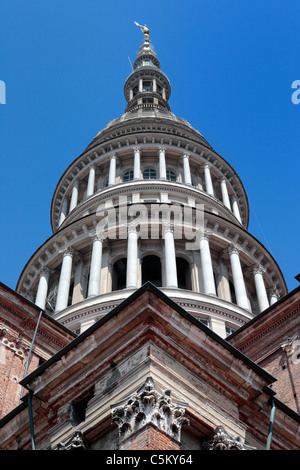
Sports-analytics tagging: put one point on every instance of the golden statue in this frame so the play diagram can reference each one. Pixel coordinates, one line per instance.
(144, 29)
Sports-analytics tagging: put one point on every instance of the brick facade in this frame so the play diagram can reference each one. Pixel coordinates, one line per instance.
(149, 438)
(18, 321)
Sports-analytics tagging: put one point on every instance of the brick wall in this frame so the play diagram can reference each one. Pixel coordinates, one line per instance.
(12, 369)
(287, 372)
(149, 438)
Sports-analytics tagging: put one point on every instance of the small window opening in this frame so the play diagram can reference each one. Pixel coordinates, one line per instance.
(79, 406)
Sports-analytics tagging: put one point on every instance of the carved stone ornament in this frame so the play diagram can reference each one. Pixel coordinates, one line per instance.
(150, 405)
(223, 441)
(75, 443)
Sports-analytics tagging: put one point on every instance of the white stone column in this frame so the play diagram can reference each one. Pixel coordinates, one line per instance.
(42, 291)
(235, 208)
(162, 163)
(95, 268)
(112, 170)
(74, 197)
(262, 297)
(224, 191)
(208, 181)
(91, 181)
(170, 256)
(274, 295)
(137, 163)
(206, 265)
(64, 280)
(238, 277)
(64, 210)
(132, 257)
(186, 169)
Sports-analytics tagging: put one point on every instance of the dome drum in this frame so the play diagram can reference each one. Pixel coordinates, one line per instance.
(78, 263)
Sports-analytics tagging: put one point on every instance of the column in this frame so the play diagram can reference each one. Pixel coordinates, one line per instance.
(273, 295)
(154, 85)
(42, 291)
(206, 265)
(170, 256)
(74, 197)
(162, 163)
(186, 169)
(112, 170)
(64, 210)
(235, 208)
(140, 85)
(224, 191)
(137, 163)
(208, 180)
(260, 287)
(238, 278)
(132, 257)
(91, 181)
(95, 268)
(64, 280)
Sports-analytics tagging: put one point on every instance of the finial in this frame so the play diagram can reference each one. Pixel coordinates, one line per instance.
(144, 29)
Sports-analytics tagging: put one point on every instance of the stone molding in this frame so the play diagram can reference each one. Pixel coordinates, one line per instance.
(150, 405)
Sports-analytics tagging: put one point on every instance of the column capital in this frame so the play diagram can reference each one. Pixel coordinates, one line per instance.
(149, 404)
(137, 148)
(46, 271)
(162, 148)
(167, 227)
(256, 269)
(222, 179)
(231, 249)
(186, 154)
(68, 250)
(207, 165)
(97, 235)
(274, 291)
(132, 227)
(205, 234)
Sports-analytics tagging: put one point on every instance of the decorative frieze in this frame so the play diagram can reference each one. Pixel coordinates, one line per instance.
(150, 405)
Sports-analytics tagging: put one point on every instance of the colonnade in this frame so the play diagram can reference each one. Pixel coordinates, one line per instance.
(69, 203)
(170, 271)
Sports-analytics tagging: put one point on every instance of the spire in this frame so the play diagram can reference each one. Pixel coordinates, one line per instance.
(147, 86)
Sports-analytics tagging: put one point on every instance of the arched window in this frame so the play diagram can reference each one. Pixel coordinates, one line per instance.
(128, 176)
(149, 174)
(119, 274)
(151, 270)
(183, 274)
(171, 175)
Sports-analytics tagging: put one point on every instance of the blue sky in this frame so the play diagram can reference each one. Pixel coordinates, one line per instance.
(231, 64)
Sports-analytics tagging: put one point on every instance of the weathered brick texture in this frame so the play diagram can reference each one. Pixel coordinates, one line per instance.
(149, 438)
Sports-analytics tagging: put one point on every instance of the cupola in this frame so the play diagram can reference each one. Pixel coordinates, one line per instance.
(147, 86)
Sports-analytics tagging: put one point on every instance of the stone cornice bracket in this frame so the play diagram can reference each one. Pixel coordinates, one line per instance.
(150, 405)
(75, 443)
(223, 441)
